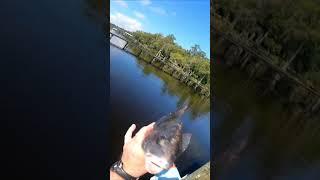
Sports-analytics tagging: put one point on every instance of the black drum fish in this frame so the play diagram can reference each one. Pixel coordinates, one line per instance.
(166, 142)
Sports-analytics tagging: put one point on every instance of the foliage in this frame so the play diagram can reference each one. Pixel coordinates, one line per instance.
(193, 59)
(289, 23)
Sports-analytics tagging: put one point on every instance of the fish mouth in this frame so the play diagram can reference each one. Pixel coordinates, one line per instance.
(155, 164)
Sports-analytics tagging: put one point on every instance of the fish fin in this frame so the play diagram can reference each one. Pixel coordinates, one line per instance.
(186, 137)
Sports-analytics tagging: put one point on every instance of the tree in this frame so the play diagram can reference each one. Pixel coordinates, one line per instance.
(196, 51)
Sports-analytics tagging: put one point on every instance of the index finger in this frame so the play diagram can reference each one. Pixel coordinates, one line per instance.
(128, 135)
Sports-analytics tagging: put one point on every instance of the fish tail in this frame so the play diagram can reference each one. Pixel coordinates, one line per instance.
(182, 109)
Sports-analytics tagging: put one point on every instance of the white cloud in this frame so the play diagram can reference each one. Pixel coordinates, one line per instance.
(122, 3)
(158, 10)
(145, 2)
(139, 14)
(125, 22)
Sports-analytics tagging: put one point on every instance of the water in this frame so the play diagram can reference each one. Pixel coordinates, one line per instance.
(257, 137)
(140, 94)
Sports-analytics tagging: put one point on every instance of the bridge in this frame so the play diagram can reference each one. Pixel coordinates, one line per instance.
(158, 60)
(244, 49)
(203, 173)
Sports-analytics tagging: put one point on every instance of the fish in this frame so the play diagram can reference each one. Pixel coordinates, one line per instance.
(166, 142)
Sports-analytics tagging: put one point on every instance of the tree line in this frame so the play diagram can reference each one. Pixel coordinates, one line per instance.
(293, 28)
(193, 59)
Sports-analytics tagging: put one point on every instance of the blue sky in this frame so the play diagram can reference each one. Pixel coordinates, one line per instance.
(187, 20)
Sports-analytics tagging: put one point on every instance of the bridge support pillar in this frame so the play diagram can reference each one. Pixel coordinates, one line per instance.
(124, 47)
(274, 81)
(173, 71)
(196, 86)
(316, 106)
(245, 60)
(140, 53)
(153, 60)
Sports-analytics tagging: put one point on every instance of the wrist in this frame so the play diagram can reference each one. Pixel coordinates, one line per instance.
(132, 171)
(114, 175)
(118, 168)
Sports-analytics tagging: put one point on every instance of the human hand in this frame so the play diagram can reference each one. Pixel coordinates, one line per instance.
(133, 157)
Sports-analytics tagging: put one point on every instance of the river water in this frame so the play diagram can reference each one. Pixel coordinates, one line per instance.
(256, 136)
(140, 94)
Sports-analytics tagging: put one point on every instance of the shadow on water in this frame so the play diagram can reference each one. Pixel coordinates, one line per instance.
(278, 141)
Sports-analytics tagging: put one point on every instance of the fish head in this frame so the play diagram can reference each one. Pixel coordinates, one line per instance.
(155, 164)
(161, 147)
(156, 160)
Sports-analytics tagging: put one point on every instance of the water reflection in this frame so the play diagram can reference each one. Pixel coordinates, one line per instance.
(173, 88)
(279, 141)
